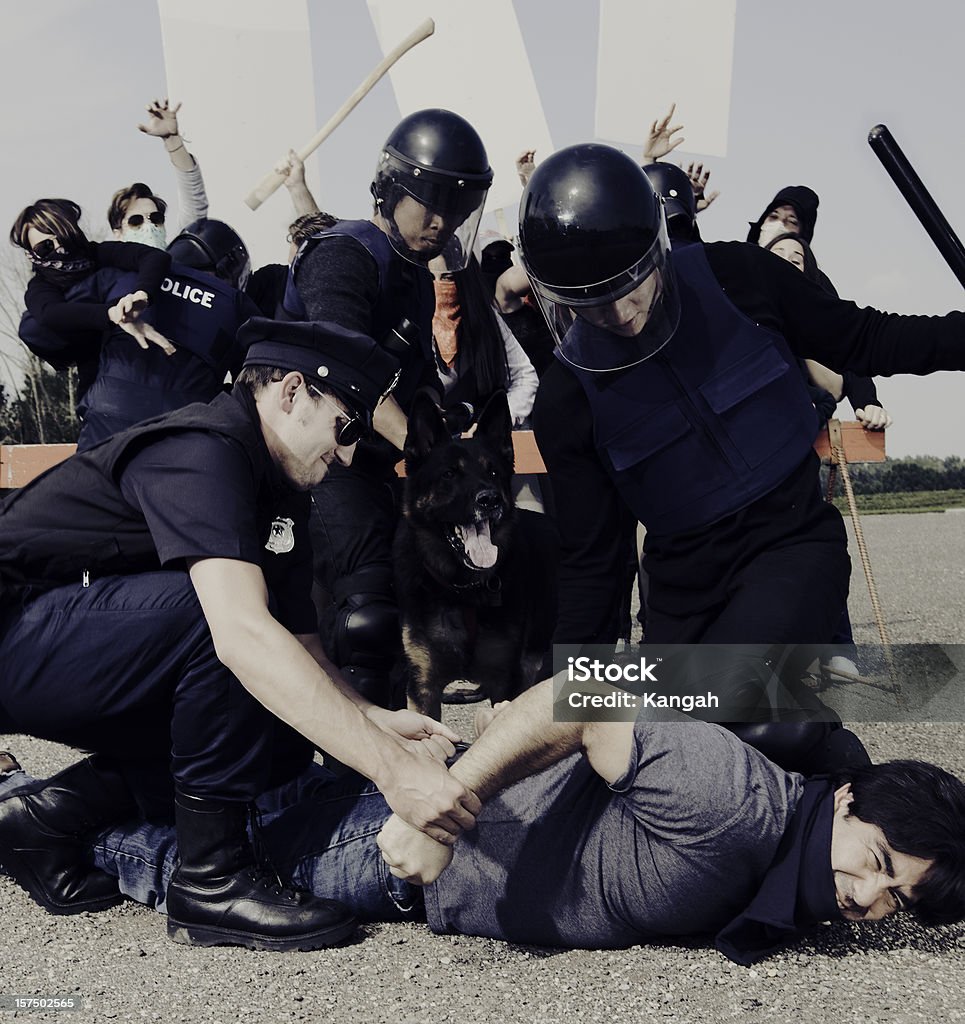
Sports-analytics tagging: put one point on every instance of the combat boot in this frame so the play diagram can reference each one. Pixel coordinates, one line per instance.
(46, 830)
(220, 895)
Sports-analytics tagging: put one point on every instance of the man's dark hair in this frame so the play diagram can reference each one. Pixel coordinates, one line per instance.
(255, 379)
(309, 224)
(123, 199)
(920, 808)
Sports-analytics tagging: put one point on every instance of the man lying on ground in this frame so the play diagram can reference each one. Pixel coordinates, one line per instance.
(610, 834)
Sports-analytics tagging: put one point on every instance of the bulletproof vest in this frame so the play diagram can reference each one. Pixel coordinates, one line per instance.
(405, 292)
(73, 520)
(196, 311)
(716, 419)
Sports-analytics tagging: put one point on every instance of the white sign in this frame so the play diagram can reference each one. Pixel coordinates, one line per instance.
(654, 53)
(243, 69)
(476, 65)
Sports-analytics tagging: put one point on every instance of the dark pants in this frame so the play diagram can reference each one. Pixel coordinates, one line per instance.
(126, 668)
(353, 521)
(790, 595)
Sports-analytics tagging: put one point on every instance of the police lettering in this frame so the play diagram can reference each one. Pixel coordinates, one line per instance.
(188, 293)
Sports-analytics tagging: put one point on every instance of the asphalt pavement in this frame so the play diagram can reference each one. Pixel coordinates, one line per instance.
(123, 967)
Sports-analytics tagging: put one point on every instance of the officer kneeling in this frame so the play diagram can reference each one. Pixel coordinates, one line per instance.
(155, 608)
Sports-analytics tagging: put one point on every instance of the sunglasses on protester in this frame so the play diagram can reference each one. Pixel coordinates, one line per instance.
(46, 248)
(348, 429)
(137, 219)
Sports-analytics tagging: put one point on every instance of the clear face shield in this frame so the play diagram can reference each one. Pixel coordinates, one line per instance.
(429, 215)
(619, 322)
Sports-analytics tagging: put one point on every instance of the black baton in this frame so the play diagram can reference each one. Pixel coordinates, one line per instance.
(918, 198)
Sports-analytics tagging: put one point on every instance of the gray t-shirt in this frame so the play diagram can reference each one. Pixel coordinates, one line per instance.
(678, 846)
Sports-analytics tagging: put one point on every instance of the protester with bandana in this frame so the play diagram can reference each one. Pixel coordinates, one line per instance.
(62, 257)
(476, 354)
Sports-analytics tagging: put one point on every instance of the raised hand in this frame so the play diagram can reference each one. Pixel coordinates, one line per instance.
(698, 182)
(162, 121)
(658, 142)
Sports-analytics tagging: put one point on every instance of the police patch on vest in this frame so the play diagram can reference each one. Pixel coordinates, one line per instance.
(281, 538)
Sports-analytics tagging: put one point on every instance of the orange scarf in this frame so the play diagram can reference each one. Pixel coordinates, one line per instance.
(446, 320)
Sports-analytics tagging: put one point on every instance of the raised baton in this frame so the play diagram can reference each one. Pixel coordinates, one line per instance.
(918, 198)
(273, 179)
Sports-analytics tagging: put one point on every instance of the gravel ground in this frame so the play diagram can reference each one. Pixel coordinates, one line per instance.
(123, 966)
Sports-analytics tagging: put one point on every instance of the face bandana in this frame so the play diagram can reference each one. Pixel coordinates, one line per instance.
(798, 890)
(153, 235)
(445, 320)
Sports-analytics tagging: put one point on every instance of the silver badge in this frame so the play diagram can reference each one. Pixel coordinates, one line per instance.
(281, 538)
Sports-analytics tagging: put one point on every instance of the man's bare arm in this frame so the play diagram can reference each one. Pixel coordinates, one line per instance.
(521, 739)
(280, 673)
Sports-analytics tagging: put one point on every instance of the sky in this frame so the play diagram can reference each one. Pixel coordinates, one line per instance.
(808, 83)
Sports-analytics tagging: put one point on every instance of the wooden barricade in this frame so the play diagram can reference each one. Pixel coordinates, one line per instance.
(21, 463)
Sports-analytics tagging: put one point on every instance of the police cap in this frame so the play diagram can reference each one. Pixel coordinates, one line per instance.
(349, 363)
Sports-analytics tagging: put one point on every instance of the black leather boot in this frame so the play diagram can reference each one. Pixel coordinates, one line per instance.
(46, 831)
(219, 895)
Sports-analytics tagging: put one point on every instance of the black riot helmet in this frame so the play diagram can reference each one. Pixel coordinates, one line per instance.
(593, 239)
(672, 184)
(436, 158)
(213, 246)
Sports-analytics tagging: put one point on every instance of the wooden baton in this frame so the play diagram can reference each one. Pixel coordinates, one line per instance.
(273, 179)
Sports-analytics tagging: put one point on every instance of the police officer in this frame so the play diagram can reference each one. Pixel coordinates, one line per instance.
(675, 394)
(199, 307)
(156, 610)
(672, 184)
(429, 188)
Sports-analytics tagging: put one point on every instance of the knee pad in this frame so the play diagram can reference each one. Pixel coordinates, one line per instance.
(367, 634)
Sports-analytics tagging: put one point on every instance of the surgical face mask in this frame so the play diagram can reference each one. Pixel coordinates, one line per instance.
(147, 233)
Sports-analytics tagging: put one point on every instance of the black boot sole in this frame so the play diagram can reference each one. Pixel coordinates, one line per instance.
(205, 935)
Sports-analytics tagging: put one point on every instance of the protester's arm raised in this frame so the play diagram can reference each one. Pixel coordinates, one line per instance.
(288, 680)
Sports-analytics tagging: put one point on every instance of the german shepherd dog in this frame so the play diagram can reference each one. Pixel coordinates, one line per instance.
(476, 597)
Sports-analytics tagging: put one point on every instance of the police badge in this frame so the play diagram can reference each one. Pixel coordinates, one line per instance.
(281, 537)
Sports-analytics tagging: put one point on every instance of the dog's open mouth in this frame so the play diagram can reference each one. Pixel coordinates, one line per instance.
(474, 542)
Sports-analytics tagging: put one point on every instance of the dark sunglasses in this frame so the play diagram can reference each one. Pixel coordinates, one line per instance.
(46, 248)
(348, 429)
(137, 219)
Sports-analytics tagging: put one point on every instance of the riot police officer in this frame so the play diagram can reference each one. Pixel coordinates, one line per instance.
(675, 395)
(200, 306)
(429, 189)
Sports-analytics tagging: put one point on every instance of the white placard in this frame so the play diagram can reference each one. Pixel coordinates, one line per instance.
(476, 65)
(654, 53)
(243, 69)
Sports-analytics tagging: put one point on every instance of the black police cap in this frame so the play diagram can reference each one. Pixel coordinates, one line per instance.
(349, 363)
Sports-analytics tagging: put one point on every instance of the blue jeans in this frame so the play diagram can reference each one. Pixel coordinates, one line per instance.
(319, 830)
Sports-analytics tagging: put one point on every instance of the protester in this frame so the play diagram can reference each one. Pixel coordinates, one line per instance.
(612, 834)
(62, 257)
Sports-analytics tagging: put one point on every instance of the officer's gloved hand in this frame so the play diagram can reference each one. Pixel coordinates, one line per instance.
(459, 418)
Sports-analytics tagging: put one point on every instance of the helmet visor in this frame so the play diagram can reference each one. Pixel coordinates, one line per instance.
(434, 220)
(617, 323)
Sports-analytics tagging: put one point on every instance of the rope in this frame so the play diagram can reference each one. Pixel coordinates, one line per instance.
(839, 461)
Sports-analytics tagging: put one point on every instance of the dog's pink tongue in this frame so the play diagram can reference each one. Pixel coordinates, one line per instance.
(478, 544)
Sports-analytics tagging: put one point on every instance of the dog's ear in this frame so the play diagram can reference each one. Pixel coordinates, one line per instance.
(496, 425)
(427, 428)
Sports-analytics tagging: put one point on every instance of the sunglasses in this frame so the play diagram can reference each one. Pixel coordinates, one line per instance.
(348, 429)
(137, 219)
(46, 248)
